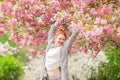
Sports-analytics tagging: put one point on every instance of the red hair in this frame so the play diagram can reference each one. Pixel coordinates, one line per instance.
(60, 31)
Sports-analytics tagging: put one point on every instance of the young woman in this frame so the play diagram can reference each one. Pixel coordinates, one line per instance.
(56, 57)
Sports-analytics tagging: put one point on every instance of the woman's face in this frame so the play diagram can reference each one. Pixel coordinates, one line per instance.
(60, 39)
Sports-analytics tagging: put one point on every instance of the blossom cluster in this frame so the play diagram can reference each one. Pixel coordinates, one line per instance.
(28, 21)
(7, 49)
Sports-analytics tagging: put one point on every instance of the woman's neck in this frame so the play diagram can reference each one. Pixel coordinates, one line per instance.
(55, 45)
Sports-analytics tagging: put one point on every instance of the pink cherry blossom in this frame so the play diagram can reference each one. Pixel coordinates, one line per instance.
(77, 26)
(117, 38)
(94, 1)
(12, 23)
(103, 22)
(93, 11)
(108, 29)
(108, 10)
(28, 22)
(33, 52)
(56, 4)
(118, 30)
(97, 22)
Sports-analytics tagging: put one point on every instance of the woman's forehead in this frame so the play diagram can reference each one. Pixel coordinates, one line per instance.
(61, 36)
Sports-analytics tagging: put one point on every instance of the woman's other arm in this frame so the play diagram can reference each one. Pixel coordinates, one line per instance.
(71, 40)
(51, 32)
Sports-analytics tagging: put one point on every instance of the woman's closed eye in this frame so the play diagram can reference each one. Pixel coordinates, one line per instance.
(61, 39)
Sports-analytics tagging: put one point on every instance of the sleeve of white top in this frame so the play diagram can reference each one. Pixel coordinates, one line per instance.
(71, 39)
(51, 32)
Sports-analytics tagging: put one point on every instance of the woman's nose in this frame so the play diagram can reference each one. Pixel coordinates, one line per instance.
(61, 40)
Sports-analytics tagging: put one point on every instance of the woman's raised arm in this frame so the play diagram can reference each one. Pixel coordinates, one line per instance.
(71, 40)
(51, 32)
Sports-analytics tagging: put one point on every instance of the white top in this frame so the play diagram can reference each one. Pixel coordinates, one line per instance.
(53, 60)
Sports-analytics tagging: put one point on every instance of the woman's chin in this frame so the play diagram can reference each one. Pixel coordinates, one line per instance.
(59, 45)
